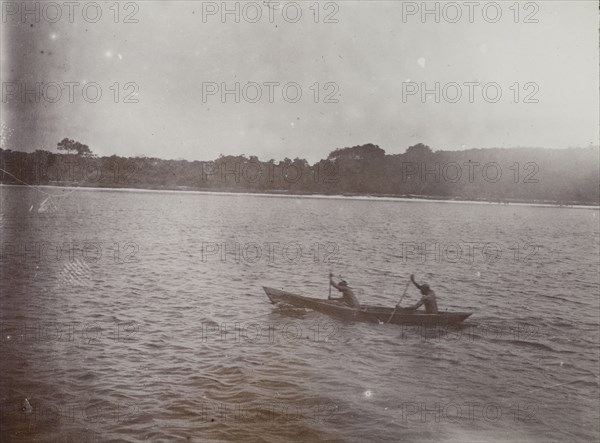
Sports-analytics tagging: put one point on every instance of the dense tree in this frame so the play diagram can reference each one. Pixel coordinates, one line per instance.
(419, 150)
(565, 176)
(71, 146)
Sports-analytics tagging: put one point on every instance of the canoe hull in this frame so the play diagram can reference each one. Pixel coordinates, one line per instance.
(371, 314)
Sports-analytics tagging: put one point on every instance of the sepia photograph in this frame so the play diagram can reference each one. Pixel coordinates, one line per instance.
(300, 221)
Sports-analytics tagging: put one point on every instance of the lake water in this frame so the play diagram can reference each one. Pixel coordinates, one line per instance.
(140, 316)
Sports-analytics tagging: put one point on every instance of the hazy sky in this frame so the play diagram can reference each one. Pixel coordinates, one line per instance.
(365, 61)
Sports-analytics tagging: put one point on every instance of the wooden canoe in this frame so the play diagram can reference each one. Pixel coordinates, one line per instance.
(372, 314)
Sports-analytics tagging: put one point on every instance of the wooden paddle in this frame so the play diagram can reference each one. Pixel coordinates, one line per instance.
(398, 304)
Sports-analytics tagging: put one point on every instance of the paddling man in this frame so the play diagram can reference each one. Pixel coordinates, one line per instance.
(428, 298)
(348, 296)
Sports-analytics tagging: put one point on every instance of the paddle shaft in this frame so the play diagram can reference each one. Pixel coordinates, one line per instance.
(396, 308)
(403, 294)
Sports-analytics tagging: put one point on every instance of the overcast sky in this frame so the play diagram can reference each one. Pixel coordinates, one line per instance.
(364, 61)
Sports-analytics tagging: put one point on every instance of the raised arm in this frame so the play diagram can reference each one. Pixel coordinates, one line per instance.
(332, 283)
(412, 278)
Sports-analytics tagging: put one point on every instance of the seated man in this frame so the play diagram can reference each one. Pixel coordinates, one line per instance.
(347, 297)
(428, 298)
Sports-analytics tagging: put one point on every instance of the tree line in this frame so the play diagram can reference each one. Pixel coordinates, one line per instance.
(565, 176)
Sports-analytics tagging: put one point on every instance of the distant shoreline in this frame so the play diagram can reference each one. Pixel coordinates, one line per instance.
(291, 194)
(531, 177)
